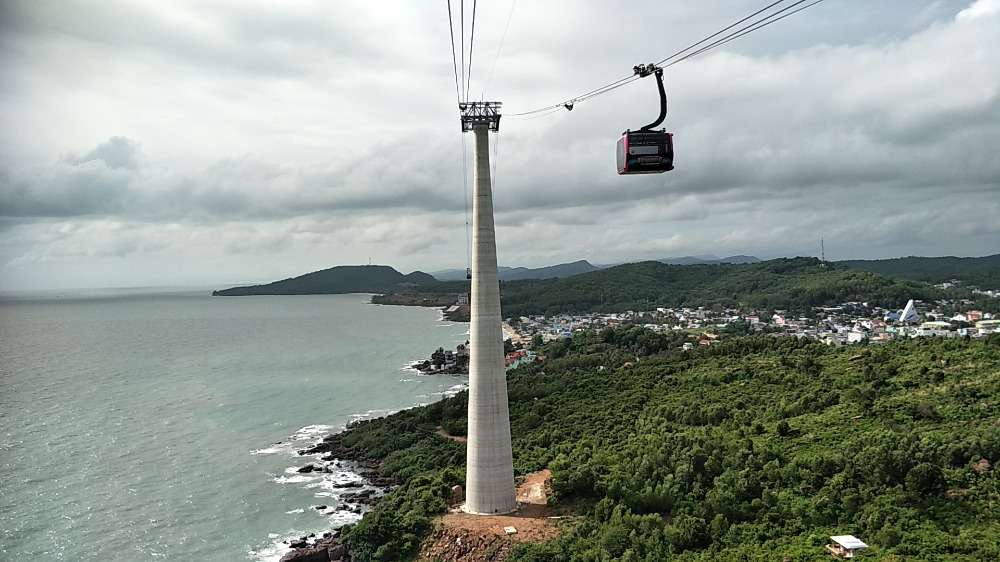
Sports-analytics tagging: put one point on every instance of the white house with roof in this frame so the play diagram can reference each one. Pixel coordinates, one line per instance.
(845, 546)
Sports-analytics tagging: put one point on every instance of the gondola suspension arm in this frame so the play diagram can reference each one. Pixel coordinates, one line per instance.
(644, 71)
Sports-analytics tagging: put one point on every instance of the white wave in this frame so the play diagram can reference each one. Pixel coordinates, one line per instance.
(310, 432)
(270, 553)
(280, 546)
(294, 511)
(341, 518)
(371, 414)
(296, 479)
(273, 449)
(341, 481)
(454, 389)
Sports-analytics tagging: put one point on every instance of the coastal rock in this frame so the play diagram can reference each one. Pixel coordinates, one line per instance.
(326, 549)
(337, 552)
(310, 554)
(366, 497)
(351, 484)
(336, 455)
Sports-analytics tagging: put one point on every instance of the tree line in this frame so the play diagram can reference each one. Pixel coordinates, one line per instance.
(794, 284)
(756, 448)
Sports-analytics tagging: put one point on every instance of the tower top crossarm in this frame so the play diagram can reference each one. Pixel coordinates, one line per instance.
(478, 112)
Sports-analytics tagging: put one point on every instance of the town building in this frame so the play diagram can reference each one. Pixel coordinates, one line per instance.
(845, 546)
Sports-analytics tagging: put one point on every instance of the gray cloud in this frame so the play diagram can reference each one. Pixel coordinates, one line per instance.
(117, 152)
(276, 141)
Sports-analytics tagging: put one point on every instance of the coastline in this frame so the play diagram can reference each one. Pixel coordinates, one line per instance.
(509, 333)
(344, 469)
(347, 470)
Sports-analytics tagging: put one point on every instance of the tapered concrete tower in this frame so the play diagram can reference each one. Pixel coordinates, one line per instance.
(490, 466)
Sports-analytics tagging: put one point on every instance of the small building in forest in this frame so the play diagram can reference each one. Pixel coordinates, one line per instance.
(845, 546)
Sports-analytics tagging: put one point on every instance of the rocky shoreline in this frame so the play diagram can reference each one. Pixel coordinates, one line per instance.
(426, 368)
(336, 456)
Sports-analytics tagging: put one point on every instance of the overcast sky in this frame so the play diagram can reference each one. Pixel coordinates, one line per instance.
(219, 142)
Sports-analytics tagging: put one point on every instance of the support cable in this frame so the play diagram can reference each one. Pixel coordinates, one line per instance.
(502, 38)
(749, 28)
(472, 40)
(459, 86)
(721, 31)
(462, 38)
(465, 190)
(454, 62)
(496, 153)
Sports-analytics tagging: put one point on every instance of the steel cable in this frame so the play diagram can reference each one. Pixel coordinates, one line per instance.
(754, 26)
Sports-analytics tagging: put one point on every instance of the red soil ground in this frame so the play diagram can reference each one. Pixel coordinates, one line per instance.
(462, 537)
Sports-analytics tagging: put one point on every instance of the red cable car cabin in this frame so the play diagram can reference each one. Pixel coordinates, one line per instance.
(645, 152)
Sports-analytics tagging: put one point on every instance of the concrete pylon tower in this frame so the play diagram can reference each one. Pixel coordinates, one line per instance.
(490, 466)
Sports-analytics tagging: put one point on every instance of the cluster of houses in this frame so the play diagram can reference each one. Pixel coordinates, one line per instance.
(457, 362)
(852, 322)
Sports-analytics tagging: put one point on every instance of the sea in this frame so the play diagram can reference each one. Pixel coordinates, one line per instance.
(164, 424)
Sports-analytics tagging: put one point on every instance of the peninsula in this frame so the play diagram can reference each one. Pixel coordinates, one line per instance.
(337, 280)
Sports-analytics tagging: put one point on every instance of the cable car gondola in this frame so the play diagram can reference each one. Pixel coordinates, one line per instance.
(647, 151)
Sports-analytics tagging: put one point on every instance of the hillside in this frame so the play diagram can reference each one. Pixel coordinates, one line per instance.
(511, 273)
(981, 272)
(554, 271)
(795, 284)
(756, 449)
(337, 280)
(691, 260)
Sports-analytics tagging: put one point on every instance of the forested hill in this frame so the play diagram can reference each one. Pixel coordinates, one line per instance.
(337, 280)
(757, 448)
(796, 284)
(978, 272)
(561, 270)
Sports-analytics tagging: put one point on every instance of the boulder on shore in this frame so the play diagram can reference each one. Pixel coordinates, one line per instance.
(316, 553)
(328, 549)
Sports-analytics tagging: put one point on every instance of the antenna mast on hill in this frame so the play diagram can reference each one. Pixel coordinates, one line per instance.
(822, 251)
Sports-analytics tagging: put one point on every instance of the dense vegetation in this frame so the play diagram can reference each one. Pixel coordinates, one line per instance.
(796, 284)
(757, 448)
(790, 284)
(976, 272)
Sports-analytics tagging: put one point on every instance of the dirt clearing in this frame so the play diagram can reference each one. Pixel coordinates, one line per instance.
(462, 537)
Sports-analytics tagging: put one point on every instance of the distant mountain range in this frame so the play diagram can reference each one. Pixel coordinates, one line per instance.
(982, 272)
(512, 273)
(564, 270)
(709, 260)
(385, 279)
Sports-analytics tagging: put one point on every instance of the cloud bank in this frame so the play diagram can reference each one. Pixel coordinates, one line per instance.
(213, 142)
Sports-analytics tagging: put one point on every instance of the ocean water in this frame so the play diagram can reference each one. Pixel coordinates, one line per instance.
(163, 424)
